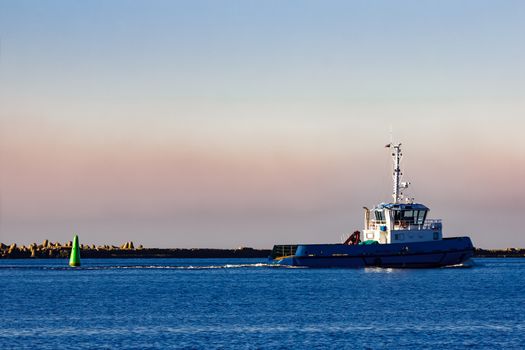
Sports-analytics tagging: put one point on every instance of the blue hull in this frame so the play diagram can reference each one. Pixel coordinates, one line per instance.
(446, 252)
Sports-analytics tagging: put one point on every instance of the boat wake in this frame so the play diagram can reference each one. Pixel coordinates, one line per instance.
(140, 267)
(464, 265)
(190, 267)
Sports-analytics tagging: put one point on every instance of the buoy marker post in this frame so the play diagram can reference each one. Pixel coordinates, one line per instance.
(74, 259)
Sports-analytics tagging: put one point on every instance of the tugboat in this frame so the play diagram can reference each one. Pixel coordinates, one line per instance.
(395, 235)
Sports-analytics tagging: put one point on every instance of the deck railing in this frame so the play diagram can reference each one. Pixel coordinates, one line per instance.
(279, 251)
(429, 224)
(375, 224)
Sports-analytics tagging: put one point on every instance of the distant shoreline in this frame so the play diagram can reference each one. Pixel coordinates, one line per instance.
(49, 250)
(499, 253)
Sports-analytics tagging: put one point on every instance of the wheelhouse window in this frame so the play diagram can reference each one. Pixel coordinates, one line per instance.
(410, 215)
(397, 215)
(420, 219)
(405, 216)
(379, 215)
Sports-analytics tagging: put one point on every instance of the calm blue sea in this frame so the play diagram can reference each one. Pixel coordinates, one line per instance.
(242, 303)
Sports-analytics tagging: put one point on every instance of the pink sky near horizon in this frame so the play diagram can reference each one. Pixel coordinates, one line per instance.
(94, 188)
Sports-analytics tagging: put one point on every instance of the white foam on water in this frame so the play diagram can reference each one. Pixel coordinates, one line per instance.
(173, 267)
(152, 267)
(464, 265)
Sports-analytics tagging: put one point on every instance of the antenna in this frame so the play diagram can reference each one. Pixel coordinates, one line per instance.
(397, 174)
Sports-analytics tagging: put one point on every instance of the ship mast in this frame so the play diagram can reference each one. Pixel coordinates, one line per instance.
(398, 185)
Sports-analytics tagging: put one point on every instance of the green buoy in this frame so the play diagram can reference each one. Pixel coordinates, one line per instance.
(74, 259)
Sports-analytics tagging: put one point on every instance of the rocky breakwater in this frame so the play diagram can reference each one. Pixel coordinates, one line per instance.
(127, 250)
(57, 250)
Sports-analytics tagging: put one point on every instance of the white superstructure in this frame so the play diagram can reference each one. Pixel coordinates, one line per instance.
(403, 220)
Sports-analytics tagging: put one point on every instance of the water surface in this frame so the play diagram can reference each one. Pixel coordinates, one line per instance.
(243, 303)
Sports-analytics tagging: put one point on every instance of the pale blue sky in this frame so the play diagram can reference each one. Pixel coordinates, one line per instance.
(224, 123)
(247, 49)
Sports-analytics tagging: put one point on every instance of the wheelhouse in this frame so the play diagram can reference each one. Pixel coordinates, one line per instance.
(406, 215)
